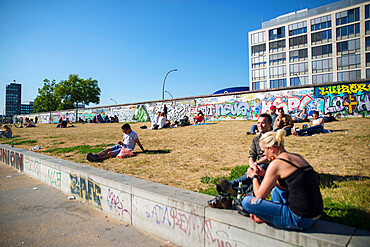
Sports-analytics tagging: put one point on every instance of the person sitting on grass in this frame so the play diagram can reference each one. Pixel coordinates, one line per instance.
(199, 118)
(284, 122)
(6, 132)
(297, 208)
(317, 126)
(127, 145)
(30, 123)
(301, 117)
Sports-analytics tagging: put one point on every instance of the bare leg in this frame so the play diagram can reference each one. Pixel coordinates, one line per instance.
(105, 156)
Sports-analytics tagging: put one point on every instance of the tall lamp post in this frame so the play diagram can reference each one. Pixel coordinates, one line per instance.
(169, 93)
(164, 81)
(114, 101)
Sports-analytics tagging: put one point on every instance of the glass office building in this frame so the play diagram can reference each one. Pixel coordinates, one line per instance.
(326, 44)
(13, 99)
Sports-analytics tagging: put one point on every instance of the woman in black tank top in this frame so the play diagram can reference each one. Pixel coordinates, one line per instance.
(294, 186)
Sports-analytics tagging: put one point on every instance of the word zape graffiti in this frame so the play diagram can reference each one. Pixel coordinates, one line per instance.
(88, 190)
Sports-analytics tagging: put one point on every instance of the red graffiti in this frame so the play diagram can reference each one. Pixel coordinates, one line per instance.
(116, 204)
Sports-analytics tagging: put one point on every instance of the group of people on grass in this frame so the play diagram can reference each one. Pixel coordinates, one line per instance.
(160, 121)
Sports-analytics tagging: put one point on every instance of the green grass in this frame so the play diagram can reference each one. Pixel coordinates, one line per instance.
(82, 149)
(20, 142)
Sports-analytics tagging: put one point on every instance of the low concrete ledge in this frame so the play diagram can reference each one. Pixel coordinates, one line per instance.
(180, 216)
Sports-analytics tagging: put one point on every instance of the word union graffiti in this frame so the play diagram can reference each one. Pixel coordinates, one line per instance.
(343, 89)
(188, 223)
(54, 178)
(12, 158)
(32, 166)
(116, 204)
(88, 190)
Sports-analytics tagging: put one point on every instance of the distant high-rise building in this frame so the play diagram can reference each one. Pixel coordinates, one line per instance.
(326, 44)
(27, 108)
(13, 99)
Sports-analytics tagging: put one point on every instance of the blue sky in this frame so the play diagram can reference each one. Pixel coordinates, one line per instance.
(130, 45)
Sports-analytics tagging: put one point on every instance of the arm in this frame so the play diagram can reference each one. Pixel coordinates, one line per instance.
(263, 190)
(139, 143)
(290, 123)
(320, 122)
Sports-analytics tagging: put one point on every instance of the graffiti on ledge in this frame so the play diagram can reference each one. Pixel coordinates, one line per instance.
(88, 190)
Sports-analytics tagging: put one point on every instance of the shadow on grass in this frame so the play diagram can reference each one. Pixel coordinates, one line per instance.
(329, 180)
(338, 130)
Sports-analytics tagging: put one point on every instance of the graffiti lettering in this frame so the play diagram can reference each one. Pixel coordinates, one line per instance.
(345, 89)
(32, 166)
(88, 190)
(54, 178)
(347, 105)
(116, 204)
(12, 158)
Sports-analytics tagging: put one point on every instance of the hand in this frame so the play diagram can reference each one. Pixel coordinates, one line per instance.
(251, 172)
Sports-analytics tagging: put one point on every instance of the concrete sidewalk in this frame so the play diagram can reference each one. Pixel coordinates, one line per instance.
(45, 217)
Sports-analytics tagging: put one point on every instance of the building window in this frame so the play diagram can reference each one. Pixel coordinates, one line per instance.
(321, 23)
(323, 78)
(349, 61)
(298, 55)
(347, 47)
(348, 31)
(258, 74)
(278, 71)
(299, 80)
(256, 85)
(297, 28)
(367, 12)
(298, 68)
(367, 43)
(349, 75)
(322, 51)
(322, 65)
(347, 16)
(321, 37)
(367, 27)
(277, 33)
(368, 72)
(258, 50)
(258, 37)
(258, 62)
(367, 59)
(277, 46)
(296, 42)
(278, 58)
(278, 83)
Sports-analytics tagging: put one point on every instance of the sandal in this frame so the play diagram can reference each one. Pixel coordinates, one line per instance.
(220, 201)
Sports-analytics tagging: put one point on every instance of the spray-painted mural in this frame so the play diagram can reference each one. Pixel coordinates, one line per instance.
(351, 99)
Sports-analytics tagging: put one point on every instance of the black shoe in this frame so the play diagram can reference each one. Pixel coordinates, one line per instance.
(227, 187)
(221, 201)
(251, 133)
(90, 157)
(238, 206)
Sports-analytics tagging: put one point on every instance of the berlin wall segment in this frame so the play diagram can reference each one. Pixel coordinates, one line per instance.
(12, 158)
(349, 99)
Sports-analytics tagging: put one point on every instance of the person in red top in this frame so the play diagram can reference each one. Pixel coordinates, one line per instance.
(199, 118)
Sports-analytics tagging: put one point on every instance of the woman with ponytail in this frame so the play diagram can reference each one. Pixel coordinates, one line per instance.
(294, 186)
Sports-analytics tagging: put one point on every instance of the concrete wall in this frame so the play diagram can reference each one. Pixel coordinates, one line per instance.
(177, 215)
(349, 99)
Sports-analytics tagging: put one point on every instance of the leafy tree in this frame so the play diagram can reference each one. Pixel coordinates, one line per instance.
(76, 90)
(46, 100)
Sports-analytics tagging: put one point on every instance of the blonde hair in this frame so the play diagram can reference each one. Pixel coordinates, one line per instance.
(273, 139)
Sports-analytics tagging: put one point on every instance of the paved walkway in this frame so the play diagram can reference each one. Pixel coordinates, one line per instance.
(45, 217)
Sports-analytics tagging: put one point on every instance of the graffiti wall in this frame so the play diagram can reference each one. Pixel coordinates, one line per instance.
(350, 100)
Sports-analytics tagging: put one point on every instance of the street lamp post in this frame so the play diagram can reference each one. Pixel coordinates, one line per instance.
(169, 94)
(114, 101)
(165, 81)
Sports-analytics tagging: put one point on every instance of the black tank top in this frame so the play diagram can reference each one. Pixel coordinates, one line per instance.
(303, 191)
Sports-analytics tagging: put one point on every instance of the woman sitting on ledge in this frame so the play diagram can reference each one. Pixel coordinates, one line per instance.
(297, 203)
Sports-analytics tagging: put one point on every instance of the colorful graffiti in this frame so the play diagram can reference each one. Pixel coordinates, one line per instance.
(346, 99)
(350, 99)
(12, 158)
(32, 166)
(88, 190)
(54, 178)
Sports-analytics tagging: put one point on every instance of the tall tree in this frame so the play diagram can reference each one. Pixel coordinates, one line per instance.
(46, 100)
(76, 90)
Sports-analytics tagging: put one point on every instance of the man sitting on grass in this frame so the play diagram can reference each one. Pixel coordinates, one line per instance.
(127, 145)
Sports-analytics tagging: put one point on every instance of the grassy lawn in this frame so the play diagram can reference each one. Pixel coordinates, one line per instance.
(194, 158)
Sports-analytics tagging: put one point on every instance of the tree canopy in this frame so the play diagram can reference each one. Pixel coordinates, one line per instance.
(46, 99)
(66, 94)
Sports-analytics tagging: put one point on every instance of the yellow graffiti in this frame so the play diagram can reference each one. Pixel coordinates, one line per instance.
(349, 89)
(353, 103)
